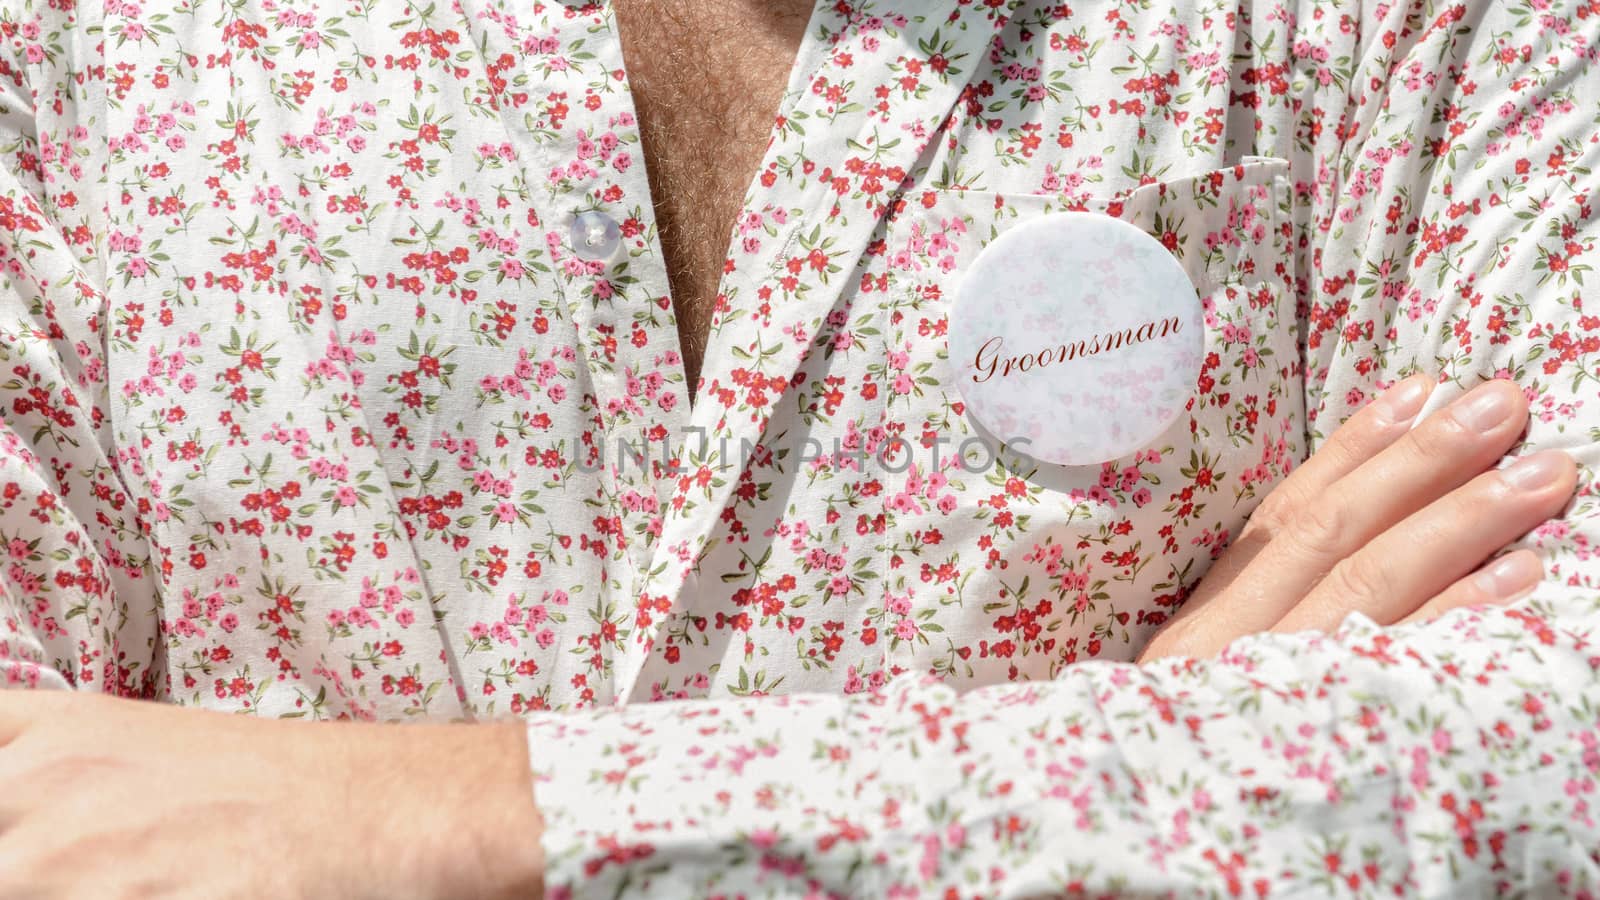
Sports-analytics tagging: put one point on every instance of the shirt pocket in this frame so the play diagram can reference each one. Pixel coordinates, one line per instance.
(1003, 567)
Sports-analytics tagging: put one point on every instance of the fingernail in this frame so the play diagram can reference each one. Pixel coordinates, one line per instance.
(1402, 401)
(1510, 577)
(1540, 470)
(1485, 408)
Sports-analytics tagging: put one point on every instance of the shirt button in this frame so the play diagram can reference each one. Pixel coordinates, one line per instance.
(595, 236)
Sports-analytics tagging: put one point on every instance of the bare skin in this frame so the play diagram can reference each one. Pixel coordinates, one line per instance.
(707, 77)
(1386, 520)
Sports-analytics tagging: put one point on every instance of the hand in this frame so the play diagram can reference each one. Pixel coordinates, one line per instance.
(1390, 521)
(104, 798)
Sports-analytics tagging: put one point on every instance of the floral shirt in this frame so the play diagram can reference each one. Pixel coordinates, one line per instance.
(315, 406)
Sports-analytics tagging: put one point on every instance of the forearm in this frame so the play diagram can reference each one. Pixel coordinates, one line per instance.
(1411, 759)
(481, 776)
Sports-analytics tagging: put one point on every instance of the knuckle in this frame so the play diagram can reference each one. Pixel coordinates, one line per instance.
(1488, 491)
(1469, 591)
(1267, 516)
(1277, 511)
(1439, 438)
(1317, 527)
(1344, 447)
(1359, 439)
(1356, 579)
(82, 767)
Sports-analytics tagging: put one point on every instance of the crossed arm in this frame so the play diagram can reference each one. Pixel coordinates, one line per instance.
(109, 797)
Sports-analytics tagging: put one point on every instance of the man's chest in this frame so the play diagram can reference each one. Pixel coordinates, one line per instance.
(706, 80)
(419, 383)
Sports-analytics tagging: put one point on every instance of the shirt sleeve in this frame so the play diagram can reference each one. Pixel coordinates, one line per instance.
(1459, 760)
(77, 607)
(1448, 224)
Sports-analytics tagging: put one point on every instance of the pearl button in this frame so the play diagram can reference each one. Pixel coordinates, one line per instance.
(595, 236)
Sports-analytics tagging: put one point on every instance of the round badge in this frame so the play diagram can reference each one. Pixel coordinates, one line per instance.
(1076, 338)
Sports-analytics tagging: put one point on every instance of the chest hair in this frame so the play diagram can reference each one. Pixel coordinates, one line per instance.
(707, 77)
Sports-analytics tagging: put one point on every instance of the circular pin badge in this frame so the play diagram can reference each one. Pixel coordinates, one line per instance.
(1076, 338)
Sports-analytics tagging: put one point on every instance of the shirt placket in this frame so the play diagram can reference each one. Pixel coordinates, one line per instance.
(601, 232)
